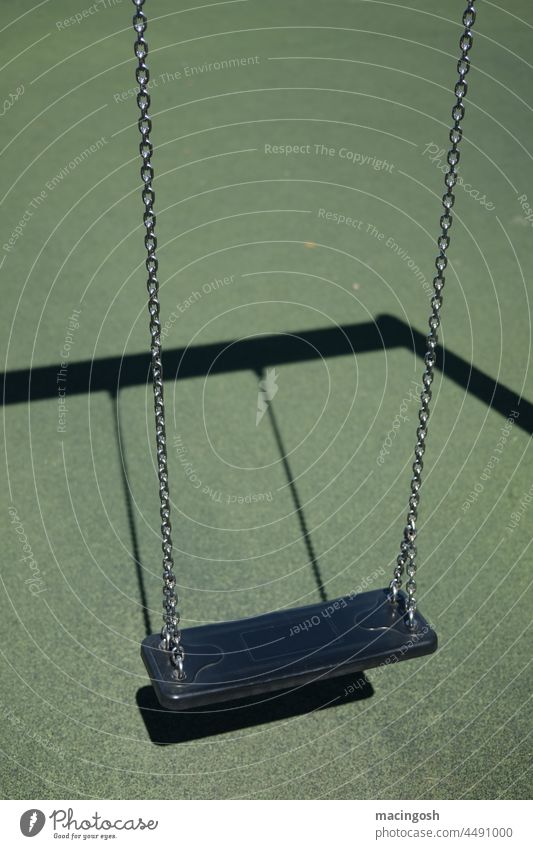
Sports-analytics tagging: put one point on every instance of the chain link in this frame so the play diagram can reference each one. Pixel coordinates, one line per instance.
(407, 558)
(170, 633)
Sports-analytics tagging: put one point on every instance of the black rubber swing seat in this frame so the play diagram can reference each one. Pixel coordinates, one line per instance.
(276, 651)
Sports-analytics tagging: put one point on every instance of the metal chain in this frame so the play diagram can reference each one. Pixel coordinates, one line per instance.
(407, 557)
(170, 634)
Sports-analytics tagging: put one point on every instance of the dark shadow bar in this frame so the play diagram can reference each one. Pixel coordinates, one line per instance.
(166, 728)
(386, 333)
(132, 525)
(306, 536)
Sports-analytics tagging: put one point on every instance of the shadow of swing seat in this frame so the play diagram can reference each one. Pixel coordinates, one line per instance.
(239, 714)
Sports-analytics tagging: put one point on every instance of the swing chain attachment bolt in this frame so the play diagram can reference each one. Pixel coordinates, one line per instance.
(406, 560)
(170, 634)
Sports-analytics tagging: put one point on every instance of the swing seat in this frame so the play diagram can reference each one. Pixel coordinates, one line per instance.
(289, 648)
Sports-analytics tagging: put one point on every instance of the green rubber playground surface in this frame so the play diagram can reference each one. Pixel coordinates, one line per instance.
(299, 166)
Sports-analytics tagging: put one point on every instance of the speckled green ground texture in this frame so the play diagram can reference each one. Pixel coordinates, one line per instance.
(299, 172)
